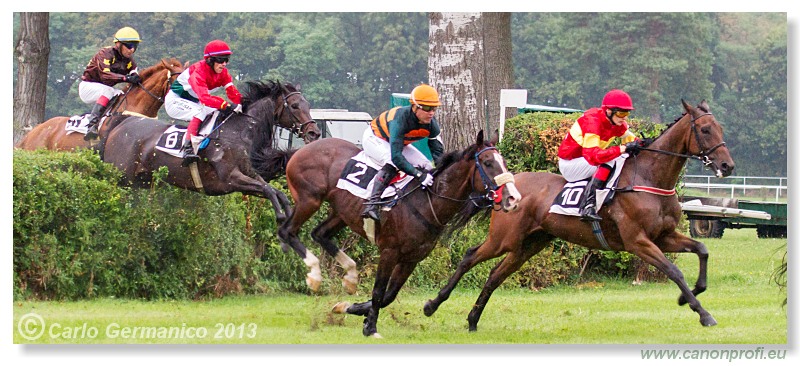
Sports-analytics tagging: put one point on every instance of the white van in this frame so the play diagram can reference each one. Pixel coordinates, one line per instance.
(339, 123)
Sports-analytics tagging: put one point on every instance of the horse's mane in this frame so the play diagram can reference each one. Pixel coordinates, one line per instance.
(255, 90)
(469, 209)
(161, 65)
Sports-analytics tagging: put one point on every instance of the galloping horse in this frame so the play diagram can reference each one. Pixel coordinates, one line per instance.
(407, 233)
(225, 164)
(640, 220)
(145, 99)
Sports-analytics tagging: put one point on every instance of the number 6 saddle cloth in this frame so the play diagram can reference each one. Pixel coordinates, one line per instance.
(358, 177)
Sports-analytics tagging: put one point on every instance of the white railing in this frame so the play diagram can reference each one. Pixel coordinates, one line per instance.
(738, 184)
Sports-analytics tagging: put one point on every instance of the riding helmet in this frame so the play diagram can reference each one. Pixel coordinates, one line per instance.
(425, 95)
(617, 99)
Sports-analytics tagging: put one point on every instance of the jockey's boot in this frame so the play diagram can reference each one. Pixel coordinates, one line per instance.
(372, 207)
(91, 131)
(189, 156)
(588, 203)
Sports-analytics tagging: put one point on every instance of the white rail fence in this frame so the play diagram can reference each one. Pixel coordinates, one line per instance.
(739, 184)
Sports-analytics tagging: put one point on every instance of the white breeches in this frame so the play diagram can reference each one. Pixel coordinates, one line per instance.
(184, 109)
(90, 92)
(380, 151)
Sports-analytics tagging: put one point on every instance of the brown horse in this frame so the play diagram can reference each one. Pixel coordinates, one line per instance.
(406, 234)
(146, 99)
(636, 221)
(225, 165)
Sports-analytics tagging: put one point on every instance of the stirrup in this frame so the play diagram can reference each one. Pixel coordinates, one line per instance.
(91, 133)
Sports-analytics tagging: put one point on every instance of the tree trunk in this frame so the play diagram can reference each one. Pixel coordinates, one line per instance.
(499, 66)
(31, 51)
(456, 70)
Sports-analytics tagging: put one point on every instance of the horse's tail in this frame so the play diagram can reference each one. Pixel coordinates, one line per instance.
(270, 163)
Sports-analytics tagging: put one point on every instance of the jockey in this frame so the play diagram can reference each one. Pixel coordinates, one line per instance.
(585, 151)
(189, 98)
(108, 67)
(389, 140)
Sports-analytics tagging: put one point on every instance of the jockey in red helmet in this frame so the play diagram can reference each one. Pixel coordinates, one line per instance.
(585, 150)
(190, 99)
(108, 67)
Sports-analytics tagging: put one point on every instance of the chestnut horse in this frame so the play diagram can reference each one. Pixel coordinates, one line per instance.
(407, 233)
(225, 166)
(636, 220)
(146, 99)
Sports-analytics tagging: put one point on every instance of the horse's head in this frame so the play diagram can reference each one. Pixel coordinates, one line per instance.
(148, 97)
(490, 168)
(706, 140)
(293, 112)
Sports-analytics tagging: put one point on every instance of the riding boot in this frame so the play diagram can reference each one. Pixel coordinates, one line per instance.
(189, 155)
(372, 207)
(588, 203)
(91, 132)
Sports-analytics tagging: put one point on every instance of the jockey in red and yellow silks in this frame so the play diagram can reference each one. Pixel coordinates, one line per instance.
(586, 152)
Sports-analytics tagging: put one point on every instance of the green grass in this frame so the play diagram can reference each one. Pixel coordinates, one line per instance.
(741, 296)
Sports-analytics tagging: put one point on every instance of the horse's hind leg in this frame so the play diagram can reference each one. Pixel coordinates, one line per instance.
(510, 264)
(323, 235)
(651, 254)
(679, 243)
(399, 277)
(288, 233)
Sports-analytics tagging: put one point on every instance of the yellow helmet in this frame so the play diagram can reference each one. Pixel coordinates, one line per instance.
(425, 95)
(127, 34)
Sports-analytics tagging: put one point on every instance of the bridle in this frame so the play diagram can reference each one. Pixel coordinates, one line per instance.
(298, 127)
(702, 156)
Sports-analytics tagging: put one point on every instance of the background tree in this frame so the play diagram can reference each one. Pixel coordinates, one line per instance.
(456, 70)
(31, 52)
(498, 63)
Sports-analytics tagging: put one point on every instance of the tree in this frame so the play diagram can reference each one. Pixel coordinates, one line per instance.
(469, 62)
(32, 51)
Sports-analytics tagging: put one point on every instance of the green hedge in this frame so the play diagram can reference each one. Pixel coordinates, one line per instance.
(77, 234)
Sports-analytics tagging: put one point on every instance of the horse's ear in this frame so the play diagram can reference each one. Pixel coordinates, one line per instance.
(688, 107)
(704, 105)
(495, 138)
(186, 64)
(479, 138)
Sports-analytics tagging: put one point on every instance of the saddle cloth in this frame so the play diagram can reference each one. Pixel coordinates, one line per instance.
(79, 124)
(171, 140)
(358, 177)
(568, 201)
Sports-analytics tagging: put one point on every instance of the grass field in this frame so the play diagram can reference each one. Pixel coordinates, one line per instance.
(741, 295)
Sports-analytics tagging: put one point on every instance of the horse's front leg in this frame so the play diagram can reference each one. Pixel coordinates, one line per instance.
(288, 235)
(386, 264)
(679, 243)
(650, 253)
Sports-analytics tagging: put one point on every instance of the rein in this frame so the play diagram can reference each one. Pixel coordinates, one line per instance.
(701, 156)
(156, 97)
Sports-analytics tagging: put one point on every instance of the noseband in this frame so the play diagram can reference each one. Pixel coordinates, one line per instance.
(298, 127)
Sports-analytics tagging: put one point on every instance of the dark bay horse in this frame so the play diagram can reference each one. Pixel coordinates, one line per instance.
(144, 99)
(406, 234)
(225, 164)
(638, 221)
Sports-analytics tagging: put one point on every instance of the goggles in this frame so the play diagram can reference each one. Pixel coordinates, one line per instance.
(621, 113)
(219, 59)
(427, 108)
(131, 45)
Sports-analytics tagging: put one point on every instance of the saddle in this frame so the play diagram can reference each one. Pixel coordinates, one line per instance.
(358, 177)
(171, 140)
(567, 202)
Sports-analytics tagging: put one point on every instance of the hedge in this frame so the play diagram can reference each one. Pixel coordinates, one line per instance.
(78, 234)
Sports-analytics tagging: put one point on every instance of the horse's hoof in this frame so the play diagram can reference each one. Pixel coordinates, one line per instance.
(708, 321)
(350, 287)
(682, 300)
(341, 307)
(376, 335)
(429, 309)
(313, 283)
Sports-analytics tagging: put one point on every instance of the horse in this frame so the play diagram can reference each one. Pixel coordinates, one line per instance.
(406, 234)
(641, 219)
(145, 98)
(225, 166)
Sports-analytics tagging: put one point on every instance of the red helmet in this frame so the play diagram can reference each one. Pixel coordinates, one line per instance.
(617, 99)
(216, 48)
